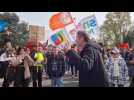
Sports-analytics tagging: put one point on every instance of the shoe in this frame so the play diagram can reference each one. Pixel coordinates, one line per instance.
(66, 72)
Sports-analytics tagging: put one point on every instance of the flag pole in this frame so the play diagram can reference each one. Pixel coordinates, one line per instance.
(74, 22)
(36, 41)
(66, 35)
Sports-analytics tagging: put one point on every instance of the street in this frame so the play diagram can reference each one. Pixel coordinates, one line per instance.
(68, 81)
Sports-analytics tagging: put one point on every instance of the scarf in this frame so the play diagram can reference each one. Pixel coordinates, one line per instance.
(116, 66)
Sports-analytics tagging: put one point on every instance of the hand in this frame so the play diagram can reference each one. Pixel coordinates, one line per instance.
(80, 49)
(13, 61)
(67, 48)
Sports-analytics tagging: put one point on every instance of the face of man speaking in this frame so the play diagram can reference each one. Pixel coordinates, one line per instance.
(79, 40)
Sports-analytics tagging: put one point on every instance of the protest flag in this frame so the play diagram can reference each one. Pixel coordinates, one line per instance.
(60, 20)
(59, 37)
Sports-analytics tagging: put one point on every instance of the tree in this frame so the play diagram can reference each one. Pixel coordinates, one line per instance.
(21, 35)
(130, 39)
(115, 26)
(22, 27)
(19, 32)
(2, 38)
(11, 18)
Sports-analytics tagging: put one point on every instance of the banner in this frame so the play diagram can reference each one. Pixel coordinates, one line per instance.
(59, 38)
(60, 20)
(79, 27)
(74, 30)
(71, 32)
(89, 24)
(123, 46)
(3, 25)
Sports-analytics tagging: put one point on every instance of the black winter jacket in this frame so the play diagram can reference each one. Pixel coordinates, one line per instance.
(59, 69)
(91, 68)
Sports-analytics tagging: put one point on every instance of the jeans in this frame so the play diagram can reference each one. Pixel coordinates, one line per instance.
(37, 76)
(74, 70)
(57, 82)
(5, 66)
(132, 82)
(67, 67)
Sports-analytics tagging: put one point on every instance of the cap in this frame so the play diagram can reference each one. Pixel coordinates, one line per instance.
(115, 50)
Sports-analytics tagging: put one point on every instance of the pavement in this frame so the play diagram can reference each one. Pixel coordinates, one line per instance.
(68, 81)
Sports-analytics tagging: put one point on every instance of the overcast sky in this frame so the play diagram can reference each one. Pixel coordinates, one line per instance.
(42, 18)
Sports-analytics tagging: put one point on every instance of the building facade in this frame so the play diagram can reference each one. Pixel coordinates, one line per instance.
(36, 33)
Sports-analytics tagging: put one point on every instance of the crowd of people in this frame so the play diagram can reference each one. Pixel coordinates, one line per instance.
(91, 62)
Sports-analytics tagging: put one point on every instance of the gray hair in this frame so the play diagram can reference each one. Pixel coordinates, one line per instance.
(84, 35)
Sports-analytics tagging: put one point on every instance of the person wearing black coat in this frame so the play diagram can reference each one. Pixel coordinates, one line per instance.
(91, 68)
(56, 67)
(73, 62)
